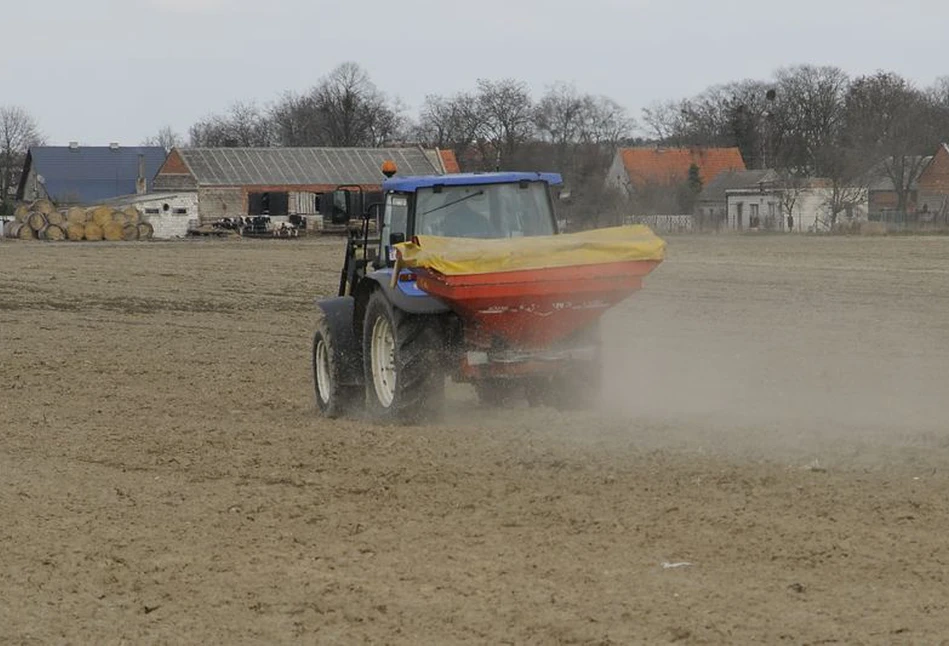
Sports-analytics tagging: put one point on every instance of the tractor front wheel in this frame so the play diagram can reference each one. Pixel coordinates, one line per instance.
(332, 398)
(404, 376)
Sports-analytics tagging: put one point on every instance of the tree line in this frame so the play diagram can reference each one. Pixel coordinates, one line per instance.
(816, 121)
(803, 121)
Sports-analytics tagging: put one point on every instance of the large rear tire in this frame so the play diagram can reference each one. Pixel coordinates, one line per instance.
(332, 398)
(402, 363)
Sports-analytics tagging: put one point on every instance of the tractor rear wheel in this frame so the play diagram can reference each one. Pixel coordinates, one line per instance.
(402, 363)
(332, 398)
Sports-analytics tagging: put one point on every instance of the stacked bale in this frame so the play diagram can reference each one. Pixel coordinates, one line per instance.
(41, 220)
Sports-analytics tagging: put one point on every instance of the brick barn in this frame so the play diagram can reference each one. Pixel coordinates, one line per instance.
(232, 182)
(933, 185)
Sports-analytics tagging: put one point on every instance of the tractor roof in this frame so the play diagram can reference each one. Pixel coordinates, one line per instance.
(411, 184)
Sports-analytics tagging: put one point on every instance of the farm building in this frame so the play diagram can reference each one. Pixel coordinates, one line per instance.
(86, 175)
(883, 196)
(933, 186)
(767, 203)
(231, 182)
(640, 169)
(711, 205)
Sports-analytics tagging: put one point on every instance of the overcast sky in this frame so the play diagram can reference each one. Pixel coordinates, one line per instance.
(97, 71)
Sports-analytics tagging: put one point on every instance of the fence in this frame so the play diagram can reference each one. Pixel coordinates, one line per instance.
(919, 221)
(663, 223)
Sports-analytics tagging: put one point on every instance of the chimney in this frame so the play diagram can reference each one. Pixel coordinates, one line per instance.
(114, 145)
(140, 183)
(74, 145)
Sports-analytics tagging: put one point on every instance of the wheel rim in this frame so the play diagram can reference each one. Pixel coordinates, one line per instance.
(383, 361)
(323, 371)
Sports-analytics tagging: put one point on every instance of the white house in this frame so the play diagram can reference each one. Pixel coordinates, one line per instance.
(804, 206)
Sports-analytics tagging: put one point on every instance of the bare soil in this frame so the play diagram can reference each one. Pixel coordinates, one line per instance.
(775, 424)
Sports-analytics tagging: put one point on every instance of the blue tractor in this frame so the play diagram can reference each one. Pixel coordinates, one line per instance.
(385, 346)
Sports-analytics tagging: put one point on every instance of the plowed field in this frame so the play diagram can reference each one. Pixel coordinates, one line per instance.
(768, 464)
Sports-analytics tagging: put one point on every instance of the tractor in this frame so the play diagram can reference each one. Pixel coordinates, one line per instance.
(463, 279)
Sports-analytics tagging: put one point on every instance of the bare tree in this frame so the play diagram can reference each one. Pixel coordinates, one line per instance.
(790, 188)
(166, 137)
(296, 121)
(892, 122)
(846, 174)
(245, 126)
(666, 121)
(506, 112)
(351, 111)
(18, 132)
(809, 116)
(450, 122)
(559, 115)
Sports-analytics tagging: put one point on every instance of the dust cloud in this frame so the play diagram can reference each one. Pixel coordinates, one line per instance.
(805, 354)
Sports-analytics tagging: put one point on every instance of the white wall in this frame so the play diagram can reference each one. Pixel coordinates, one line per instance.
(811, 210)
(170, 222)
(767, 205)
(168, 213)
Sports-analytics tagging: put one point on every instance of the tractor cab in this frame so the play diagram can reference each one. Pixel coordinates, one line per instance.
(465, 205)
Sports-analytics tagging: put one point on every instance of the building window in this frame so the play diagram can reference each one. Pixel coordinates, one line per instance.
(180, 211)
(152, 211)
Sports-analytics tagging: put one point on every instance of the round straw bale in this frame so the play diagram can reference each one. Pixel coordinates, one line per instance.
(145, 231)
(112, 231)
(37, 221)
(93, 231)
(75, 231)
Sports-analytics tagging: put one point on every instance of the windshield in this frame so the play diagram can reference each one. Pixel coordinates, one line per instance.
(484, 211)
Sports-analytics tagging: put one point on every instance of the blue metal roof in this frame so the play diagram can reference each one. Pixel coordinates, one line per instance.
(411, 184)
(89, 174)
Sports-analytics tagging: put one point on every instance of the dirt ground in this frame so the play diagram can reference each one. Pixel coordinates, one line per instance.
(775, 424)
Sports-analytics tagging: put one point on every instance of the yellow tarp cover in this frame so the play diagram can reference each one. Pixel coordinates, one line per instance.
(458, 256)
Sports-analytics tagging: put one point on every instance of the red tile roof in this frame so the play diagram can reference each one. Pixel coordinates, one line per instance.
(449, 161)
(651, 165)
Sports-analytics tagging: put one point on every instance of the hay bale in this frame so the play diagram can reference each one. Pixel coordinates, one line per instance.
(75, 231)
(132, 216)
(22, 213)
(129, 232)
(118, 216)
(112, 231)
(53, 232)
(43, 206)
(37, 221)
(75, 215)
(56, 217)
(93, 231)
(25, 232)
(145, 231)
(101, 215)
